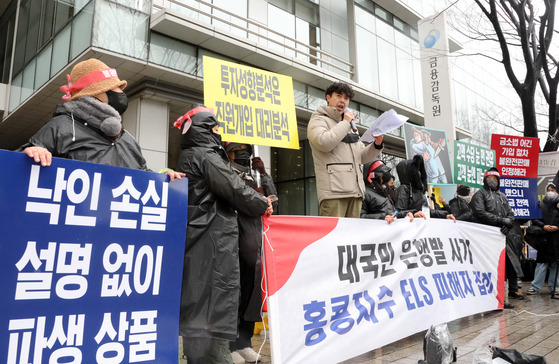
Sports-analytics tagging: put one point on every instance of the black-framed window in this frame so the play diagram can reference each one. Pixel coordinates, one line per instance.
(293, 174)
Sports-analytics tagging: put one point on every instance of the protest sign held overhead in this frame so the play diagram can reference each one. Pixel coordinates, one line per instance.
(91, 262)
(432, 145)
(253, 106)
(470, 163)
(517, 160)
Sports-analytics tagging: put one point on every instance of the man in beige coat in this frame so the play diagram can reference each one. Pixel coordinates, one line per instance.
(338, 154)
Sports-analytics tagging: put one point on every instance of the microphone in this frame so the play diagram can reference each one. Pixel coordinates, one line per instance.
(352, 123)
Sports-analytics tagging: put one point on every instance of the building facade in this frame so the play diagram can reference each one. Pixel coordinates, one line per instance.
(158, 45)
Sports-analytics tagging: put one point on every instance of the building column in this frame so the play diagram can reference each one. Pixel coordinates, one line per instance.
(148, 121)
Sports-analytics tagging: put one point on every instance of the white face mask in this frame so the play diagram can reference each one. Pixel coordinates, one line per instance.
(465, 198)
(552, 195)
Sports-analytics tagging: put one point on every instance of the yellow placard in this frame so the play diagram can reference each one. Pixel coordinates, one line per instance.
(252, 106)
(437, 192)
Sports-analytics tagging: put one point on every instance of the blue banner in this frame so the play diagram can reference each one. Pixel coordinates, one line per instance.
(91, 262)
(522, 194)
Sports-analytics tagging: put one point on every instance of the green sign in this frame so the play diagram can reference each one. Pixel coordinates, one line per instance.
(471, 162)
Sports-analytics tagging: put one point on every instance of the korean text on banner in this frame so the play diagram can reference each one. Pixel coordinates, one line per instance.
(252, 106)
(91, 262)
(516, 156)
(338, 287)
(517, 160)
(470, 163)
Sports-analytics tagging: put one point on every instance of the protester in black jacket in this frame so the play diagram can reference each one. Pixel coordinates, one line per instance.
(250, 243)
(549, 242)
(411, 195)
(377, 203)
(210, 288)
(88, 126)
(388, 184)
(491, 207)
(460, 205)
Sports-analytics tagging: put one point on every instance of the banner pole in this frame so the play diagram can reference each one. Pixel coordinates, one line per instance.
(257, 174)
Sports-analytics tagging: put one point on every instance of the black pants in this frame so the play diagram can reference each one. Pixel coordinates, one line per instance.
(246, 330)
(206, 351)
(511, 276)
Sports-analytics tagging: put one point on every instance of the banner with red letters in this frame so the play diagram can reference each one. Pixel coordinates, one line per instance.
(339, 287)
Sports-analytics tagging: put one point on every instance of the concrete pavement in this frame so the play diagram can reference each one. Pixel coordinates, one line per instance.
(531, 327)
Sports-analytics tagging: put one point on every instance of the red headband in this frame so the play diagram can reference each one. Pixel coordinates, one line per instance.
(491, 173)
(86, 80)
(370, 172)
(186, 117)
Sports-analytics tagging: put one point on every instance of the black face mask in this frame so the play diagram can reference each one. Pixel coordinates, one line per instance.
(242, 157)
(118, 101)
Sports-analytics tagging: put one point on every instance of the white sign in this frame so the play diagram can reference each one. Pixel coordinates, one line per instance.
(341, 287)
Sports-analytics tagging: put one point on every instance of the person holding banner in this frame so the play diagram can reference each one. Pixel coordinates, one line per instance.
(250, 243)
(411, 195)
(460, 205)
(388, 184)
(338, 154)
(491, 207)
(377, 203)
(210, 287)
(88, 126)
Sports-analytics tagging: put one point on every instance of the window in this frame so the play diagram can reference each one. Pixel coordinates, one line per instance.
(298, 19)
(293, 174)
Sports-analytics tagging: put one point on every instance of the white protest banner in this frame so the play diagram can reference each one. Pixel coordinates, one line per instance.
(338, 287)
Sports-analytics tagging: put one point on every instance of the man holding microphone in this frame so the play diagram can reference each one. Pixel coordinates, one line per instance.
(338, 154)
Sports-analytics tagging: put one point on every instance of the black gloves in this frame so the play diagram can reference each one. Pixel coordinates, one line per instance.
(505, 230)
(258, 165)
(507, 222)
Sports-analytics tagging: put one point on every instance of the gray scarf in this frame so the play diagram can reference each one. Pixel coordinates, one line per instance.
(102, 116)
(242, 171)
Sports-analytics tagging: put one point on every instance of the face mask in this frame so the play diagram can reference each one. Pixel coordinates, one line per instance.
(552, 195)
(242, 157)
(492, 184)
(466, 198)
(118, 101)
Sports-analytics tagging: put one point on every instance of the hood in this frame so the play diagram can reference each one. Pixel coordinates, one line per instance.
(60, 110)
(199, 134)
(231, 145)
(493, 169)
(412, 172)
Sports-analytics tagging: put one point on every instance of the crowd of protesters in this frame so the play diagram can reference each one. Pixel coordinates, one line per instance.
(229, 190)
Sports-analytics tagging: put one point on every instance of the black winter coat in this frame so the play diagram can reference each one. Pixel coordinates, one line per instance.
(250, 246)
(376, 205)
(410, 196)
(210, 288)
(460, 209)
(549, 251)
(492, 208)
(78, 140)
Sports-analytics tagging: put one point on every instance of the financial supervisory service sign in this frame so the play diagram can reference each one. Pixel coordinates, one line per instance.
(252, 106)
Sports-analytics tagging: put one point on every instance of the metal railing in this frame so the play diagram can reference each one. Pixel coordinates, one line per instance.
(314, 55)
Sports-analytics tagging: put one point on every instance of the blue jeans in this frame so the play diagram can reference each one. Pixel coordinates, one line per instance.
(539, 276)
